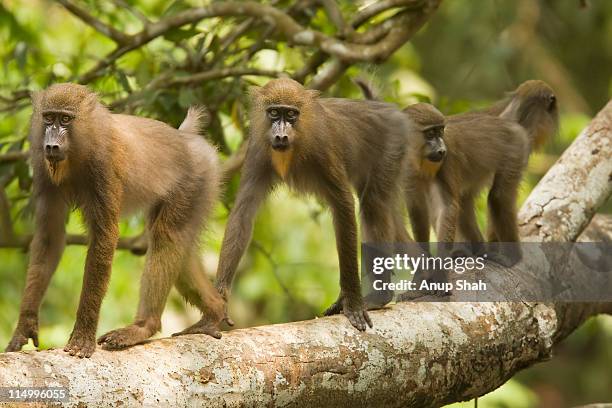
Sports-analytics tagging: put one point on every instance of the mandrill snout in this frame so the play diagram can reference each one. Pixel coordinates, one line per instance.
(437, 155)
(280, 142)
(54, 152)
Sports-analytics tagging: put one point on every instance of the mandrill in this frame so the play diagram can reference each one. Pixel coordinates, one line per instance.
(328, 147)
(110, 165)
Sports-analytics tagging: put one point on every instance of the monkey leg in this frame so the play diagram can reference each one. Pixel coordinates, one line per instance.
(350, 300)
(503, 226)
(446, 231)
(45, 252)
(166, 256)
(418, 211)
(195, 287)
(468, 227)
(378, 223)
(105, 235)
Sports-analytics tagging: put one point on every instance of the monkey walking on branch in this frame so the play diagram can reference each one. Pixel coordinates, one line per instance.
(455, 158)
(109, 165)
(329, 147)
(466, 152)
(533, 105)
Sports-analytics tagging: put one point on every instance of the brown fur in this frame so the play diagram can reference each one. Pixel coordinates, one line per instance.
(480, 149)
(534, 106)
(337, 146)
(116, 164)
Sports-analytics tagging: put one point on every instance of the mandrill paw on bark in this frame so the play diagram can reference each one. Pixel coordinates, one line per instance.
(81, 345)
(355, 311)
(27, 329)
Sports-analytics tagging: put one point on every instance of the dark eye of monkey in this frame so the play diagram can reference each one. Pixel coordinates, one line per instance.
(431, 133)
(552, 100)
(65, 120)
(49, 118)
(273, 113)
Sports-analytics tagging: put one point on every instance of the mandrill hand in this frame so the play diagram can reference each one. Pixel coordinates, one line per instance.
(27, 329)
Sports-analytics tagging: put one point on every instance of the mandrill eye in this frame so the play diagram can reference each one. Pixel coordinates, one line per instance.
(273, 113)
(48, 118)
(552, 99)
(65, 120)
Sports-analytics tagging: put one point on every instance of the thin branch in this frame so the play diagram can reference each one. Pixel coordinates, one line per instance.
(14, 156)
(168, 81)
(328, 75)
(137, 245)
(310, 66)
(103, 28)
(133, 10)
(233, 163)
(219, 74)
(6, 225)
(268, 255)
(378, 7)
(335, 16)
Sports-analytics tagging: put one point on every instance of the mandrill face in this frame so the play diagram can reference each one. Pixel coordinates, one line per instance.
(56, 129)
(57, 122)
(282, 119)
(55, 141)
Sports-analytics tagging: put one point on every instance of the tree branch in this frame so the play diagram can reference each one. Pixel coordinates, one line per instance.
(137, 245)
(166, 81)
(14, 156)
(102, 28)
(285, 24)
(566, 198)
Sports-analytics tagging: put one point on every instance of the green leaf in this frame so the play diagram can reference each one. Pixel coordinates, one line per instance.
(179, 34)
(186, 98)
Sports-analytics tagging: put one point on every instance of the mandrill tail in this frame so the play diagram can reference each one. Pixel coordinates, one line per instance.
(196, 120)
(368, 90)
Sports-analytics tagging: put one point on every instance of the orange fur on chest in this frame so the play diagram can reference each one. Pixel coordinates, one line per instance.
(281, 161)
(429, 168)
(540, 138)
(57, 171)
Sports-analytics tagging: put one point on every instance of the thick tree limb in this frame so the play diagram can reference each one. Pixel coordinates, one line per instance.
(566, 198)
(418, 354)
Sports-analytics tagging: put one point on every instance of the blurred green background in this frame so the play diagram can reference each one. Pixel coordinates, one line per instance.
(468, 54)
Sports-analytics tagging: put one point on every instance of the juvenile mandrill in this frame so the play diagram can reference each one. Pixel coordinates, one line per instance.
(459, 155)
(534, 106)
(327, 147)
(109, 165)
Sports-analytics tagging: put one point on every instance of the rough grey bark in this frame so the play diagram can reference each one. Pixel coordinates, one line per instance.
(566, 198)
(418, 354)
